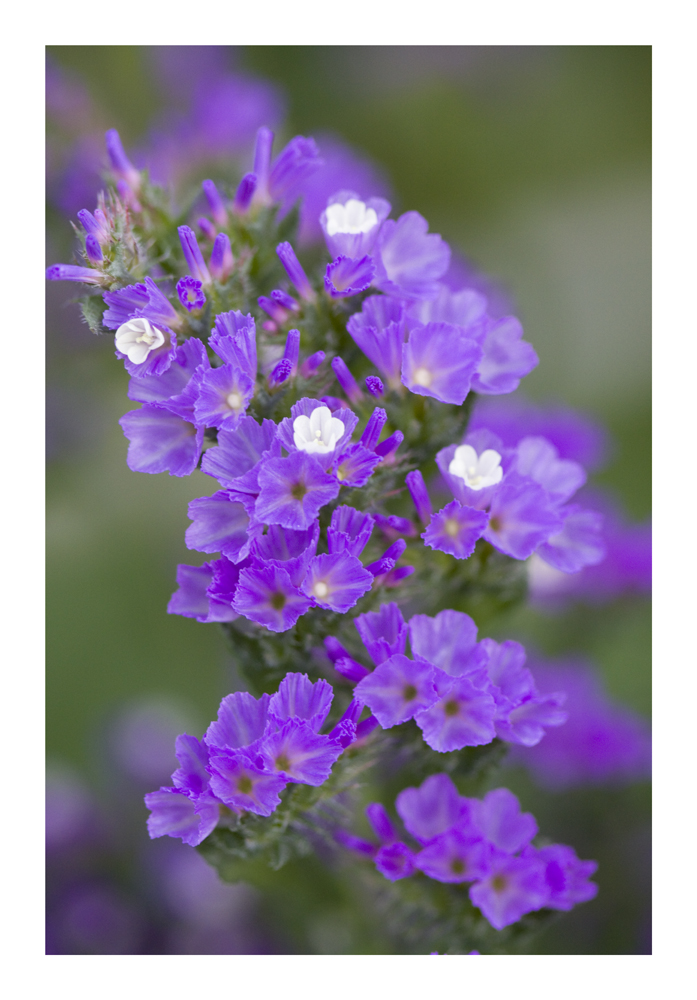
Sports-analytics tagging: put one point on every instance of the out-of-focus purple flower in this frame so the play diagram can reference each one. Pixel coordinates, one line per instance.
(431, 809)
(454, 856)
(601, 742)
(395, 861)
(576, 436)
(310, 365)
(513, 886)
(348, 276)
(409, 259)
(566, 876)
(119, 162)
(465, 308)
(439, 360)
(499, 820)
(192, 599)
(96, 225)
(295, 272)
(215, 203)
(173, 813)
(160, 441)
(296, 162)
(578, 544)
(190, 292)
(521, 517)
(507, 358)
(245, 193)
(265, 594)
(538, 459)
(222, 261)
(229, 108)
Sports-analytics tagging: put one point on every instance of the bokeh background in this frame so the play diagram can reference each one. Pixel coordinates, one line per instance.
(532, 161)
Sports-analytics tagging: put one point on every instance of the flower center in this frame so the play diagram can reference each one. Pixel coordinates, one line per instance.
(422, 376)
(451, 708)
(244, 785)
(278, 600)
(409, 692)
(146, 338)
(282, 763)
(452, 527)
(320, 589)
(234, 401)
(298, 491)
(457, 866)
(499, 883)
(495, 523)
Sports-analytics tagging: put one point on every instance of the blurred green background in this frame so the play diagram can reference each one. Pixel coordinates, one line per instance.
(534, 162)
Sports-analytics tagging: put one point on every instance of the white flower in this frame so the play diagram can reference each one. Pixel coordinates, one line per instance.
(477, 471)
(319, 433)
(137, 338)
(353, 217)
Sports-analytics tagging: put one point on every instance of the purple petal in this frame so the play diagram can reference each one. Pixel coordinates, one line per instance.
(161, 441)
(220, 525)
(446, 641)
(521, 517)
(348, 276)
(383, 632)
(439, 360)
(299, 698)
(454, 857)
(579, 543)
(538, 459)
(242, 786)
(241, 720)
(431, 809)
(239, 450)
(499, 820)
(456, 530)
(463, 716)
(293, 490)
(513, 887)
(410, 259)
(173, 815)
(349, 530)
(395, 861)
(506, 360)
(265, 594)
(336, 581)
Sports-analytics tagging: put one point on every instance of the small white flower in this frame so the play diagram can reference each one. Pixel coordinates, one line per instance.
(478, 471)
(137, 338)
(319, 433)
(352, 218)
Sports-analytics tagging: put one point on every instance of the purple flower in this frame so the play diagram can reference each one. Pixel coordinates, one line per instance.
(566, 876)
(601, 742)
(512, 887)
(175, 814)
(311, 364)
(410, 260)
(71, 272)
(348, 276)
(295, 272)
(215, 203)
(160, 441)
(346, 380)
(579, 543)
(419, 495)
(266, 595)
(245, 193)
(506, 360)
(169, 387)
(135, 301)
(96, 225)
(383, 632)
(223, 396)
(242, 786)
(356, 465)
(395, 861)
(190, 292)
(93, 250)
(336, 581)
(351, 226)
(521, 517)
(456, 530)
(374, 386)
(466, 309)
(448, 641)
(242, 720)
(222, 261)
(240, 451)
(220, 524)
(538, 459)
(499, 820)
(279, 373)
(299, 754)
(145, 349)
(294, 164)
(454, 856)
(349, 530)
(397, 689)
(234, 340)
(119, 162)
(193, 256)
(463, 715)
(439, 360)
(192, 600)
(431, 809)
(299, 698)
(293, 490)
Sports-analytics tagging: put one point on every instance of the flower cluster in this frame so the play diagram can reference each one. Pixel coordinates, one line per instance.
(460, 692)
(249, 754)
(487, 842)
(234, 348)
